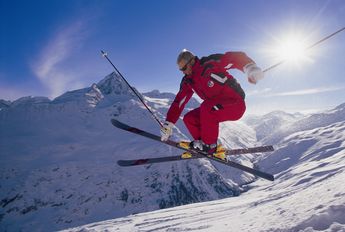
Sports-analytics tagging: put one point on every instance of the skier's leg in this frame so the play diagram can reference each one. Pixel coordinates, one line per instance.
(211, 116)
(230, 111)
(192, 122)
(209, 123)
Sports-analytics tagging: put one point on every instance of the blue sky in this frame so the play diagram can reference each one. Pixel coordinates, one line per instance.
(50, 47)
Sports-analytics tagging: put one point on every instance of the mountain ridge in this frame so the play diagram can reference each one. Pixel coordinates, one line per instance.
(59, 158)
(58, 161)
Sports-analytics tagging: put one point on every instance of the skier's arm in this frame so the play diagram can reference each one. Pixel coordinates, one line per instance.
(176, 109)
(241, 61)
(180, 101)
(237, 60)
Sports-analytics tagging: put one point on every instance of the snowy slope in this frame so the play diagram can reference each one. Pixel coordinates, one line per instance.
(4, 104)
(307, 195)
(58, 160)
(313, 121)
(58, 169)
(271, 122)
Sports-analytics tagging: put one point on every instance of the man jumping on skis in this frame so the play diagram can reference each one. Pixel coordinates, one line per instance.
(223, 98)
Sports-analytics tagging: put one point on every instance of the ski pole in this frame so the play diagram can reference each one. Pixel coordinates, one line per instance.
(104, 54)
(307, 48)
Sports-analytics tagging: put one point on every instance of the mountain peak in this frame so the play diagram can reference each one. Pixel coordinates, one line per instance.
(114, 84)
(157, 94)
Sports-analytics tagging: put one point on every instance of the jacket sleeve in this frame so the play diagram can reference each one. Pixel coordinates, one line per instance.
(180, 101)
(237, 60)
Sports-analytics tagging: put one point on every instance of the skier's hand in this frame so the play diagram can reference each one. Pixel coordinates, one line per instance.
(166, 130)
(253, 72)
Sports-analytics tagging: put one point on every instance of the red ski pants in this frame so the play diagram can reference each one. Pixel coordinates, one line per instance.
(203, 122)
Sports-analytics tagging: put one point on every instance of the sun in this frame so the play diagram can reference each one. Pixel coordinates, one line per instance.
(291, 48)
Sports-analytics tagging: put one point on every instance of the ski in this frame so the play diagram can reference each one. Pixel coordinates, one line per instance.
(196, 154)
(135, 162)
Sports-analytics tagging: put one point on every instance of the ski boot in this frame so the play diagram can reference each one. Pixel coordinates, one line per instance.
(196, 145)
(217, 151)
(220, 153)
(186, 155)
(186, 145)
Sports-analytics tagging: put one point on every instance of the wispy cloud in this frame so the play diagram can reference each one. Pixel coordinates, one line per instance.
(52, 65)
(268, 92)
(259, 92)
(308, 91)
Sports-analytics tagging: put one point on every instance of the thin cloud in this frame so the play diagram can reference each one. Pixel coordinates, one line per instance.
(259, 92)
(51, 68)
(307, 91)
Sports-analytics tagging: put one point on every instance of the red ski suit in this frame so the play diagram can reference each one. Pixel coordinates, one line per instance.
(223, 97)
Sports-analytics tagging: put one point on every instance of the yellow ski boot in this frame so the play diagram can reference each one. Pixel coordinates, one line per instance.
(186, 155)
(184, 144)
(220, 153)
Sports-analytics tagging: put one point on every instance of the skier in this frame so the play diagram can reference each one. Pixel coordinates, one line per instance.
(223, 98)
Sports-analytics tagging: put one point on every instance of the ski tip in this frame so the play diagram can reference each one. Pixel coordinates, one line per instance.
(123, 163)
(126, 163)
(270, 148)
(115, 122)
(265, 176)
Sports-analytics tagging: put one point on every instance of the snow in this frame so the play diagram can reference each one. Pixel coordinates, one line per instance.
(266, 124)
(307, 195)
(58, 169)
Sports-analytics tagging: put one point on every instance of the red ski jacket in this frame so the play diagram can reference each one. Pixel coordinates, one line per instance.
(210, 81)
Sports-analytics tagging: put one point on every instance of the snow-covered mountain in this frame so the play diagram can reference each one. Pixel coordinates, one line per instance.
(58, 160)
(4, 104)
(308, 194)
(310, 122)
(58, 168)
(268, 123)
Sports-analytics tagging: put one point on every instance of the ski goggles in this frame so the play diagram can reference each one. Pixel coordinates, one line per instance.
(184, 68)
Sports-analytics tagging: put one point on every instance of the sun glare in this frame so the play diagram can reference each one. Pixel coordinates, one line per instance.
(291, 48)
